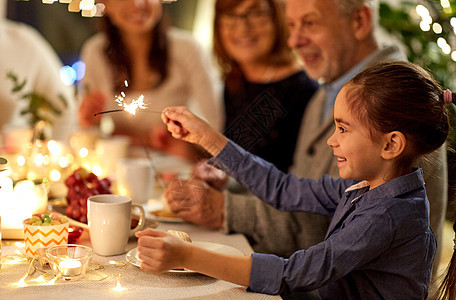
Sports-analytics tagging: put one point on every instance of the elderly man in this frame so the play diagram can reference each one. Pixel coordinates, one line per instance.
(335, 40)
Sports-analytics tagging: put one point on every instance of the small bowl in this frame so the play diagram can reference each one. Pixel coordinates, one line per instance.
(36, 237)
(69, 261)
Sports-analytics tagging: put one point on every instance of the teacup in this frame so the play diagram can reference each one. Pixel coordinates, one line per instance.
(109, 151)
(109, 219)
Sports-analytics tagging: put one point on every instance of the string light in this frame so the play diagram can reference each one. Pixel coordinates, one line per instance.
(88, 8)
(119, 287)
(21, 282)
(437, 28)
(33, 267)
(445, 3)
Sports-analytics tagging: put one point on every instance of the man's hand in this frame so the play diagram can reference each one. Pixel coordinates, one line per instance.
(196, 202)
(212, 175)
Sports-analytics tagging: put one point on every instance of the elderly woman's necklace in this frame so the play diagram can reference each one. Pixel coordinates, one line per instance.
(269, 74)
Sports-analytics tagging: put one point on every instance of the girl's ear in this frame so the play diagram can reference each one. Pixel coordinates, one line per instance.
(394, 145)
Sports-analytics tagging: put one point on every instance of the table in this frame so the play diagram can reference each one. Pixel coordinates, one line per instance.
(121, 280)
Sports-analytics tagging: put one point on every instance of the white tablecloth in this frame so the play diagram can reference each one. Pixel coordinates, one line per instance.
(103, 278)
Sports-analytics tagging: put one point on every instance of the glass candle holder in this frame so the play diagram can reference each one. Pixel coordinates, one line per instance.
(69, 261)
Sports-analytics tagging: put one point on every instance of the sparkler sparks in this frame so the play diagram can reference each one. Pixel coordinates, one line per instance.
(133, 106)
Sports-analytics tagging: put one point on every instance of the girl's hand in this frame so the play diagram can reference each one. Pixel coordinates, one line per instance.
(160, 251)
(186, 126)
(92, 103)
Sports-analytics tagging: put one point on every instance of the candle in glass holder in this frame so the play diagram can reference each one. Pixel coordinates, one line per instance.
(70, 267)
(16, 205)
(69, 261)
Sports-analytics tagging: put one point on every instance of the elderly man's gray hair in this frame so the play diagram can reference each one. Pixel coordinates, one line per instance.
(347, 7)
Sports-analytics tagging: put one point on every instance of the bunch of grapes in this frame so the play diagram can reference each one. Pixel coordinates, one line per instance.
(81, 185)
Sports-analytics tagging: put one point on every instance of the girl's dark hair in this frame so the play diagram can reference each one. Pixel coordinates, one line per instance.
(280, 54)
(120, 61)
(447, 289)
(401, 96)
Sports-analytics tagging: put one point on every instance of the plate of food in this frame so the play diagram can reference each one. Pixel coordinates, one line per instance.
(157, 211)
(132, 255)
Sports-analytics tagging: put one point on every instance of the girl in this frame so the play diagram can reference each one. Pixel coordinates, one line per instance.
(379, 243)
(164, 64)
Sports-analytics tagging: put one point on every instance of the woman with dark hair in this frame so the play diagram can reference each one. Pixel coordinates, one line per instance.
(266, 90)
(137, 54)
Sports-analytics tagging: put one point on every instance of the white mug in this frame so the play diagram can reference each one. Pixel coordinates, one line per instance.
(135, 179)
(109, 151)
(109, 220)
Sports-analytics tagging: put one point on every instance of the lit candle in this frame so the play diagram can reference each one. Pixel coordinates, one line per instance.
(70, 267)
(19, 204)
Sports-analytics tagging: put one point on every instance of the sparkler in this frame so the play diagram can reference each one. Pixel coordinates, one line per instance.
(131, 108)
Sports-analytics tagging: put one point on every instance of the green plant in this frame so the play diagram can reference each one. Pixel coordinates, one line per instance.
(3, 161)
(422, 46)
(39, 108)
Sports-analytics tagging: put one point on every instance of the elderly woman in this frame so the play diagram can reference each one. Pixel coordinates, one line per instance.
(266, 91)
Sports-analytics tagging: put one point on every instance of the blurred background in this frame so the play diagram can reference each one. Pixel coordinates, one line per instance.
(425, 28)
(73, 29)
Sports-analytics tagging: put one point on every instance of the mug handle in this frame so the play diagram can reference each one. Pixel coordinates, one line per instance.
(141, 221)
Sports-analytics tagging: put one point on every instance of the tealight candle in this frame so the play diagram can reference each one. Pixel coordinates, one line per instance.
(69, 261)
(70, 267)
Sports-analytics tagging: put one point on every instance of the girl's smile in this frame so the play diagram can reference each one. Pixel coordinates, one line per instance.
(359, 157)
(340, 161)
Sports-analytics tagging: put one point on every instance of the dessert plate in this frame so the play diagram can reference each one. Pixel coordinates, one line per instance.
(132, 258)
(154, 211)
